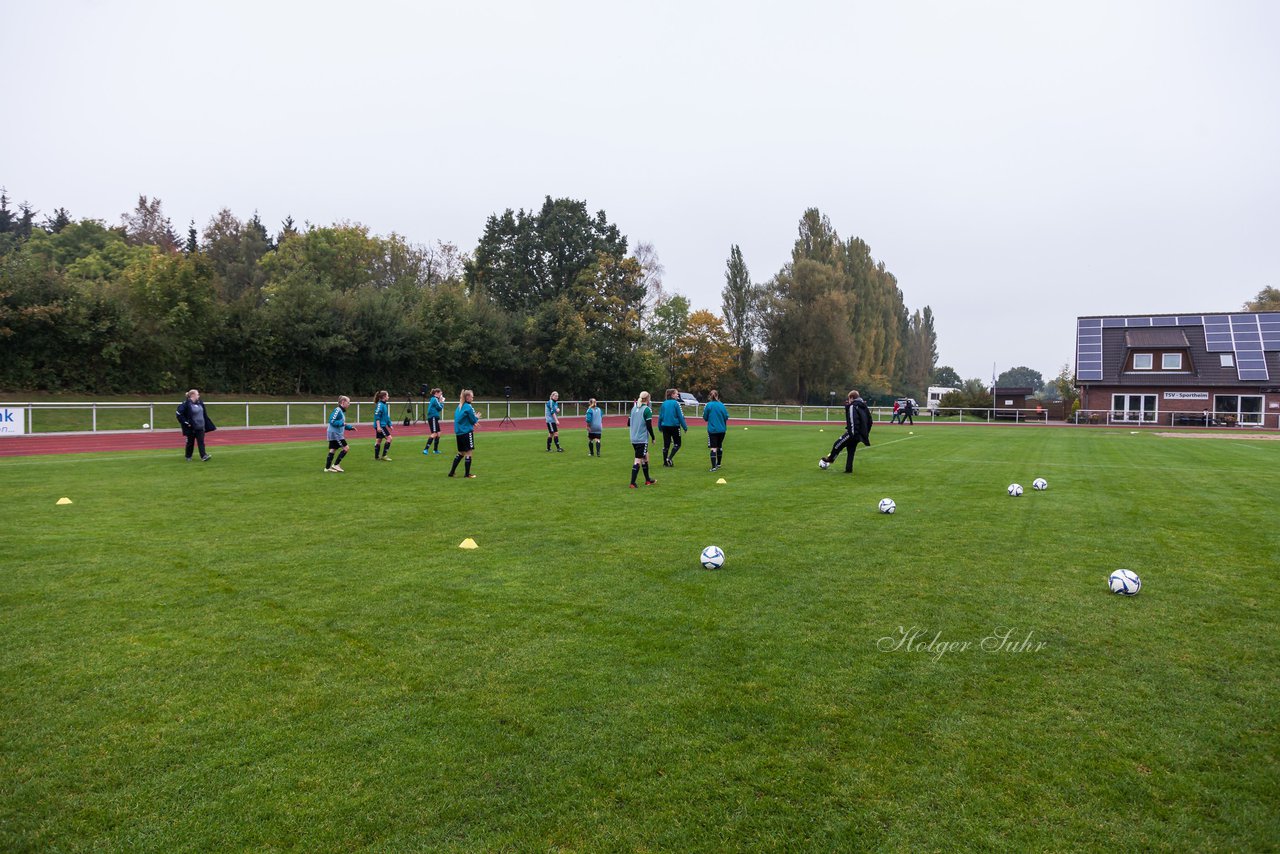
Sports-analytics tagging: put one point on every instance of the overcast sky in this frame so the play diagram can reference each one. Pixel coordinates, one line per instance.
(1014, 164)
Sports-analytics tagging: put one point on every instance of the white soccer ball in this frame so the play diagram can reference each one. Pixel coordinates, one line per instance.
(1040, 484)
(1125, 582)
(887, 505)
(146, 426)
(822, 463)
(1015, 489)
(712, 557)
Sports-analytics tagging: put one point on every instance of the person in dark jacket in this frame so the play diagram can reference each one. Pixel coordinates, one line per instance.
(195, 421)
(857, 428)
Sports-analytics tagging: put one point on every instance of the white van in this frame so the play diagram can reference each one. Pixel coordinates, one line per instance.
(935, 397)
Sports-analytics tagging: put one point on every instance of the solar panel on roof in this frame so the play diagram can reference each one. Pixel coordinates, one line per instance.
(1164, 321)
(1112, 322)
(1217, 334)
(1089, 348)
(1137, 321)
(1190, 320)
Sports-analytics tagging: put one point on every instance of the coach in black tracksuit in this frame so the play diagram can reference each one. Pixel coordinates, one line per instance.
(857, 428)
(195, 421)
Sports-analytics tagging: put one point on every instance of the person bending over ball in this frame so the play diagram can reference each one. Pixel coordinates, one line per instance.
(857, 428)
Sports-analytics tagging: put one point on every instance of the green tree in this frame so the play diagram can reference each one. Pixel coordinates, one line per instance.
(1064, 384)
(706, 353)
(526, 259)
(146, 225)
(945, 375)
(1020, 377)
(670, 323)
(808, 335)
(1268, 299)
(740, 302)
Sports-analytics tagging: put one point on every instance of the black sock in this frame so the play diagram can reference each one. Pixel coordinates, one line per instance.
(548, 443)
(341, 454)
(591, 448)
(466, 468)
(635, 470)
(454, 467)
(327, 463)
(437, 447)
(645, 466)
(386, 448)
(720, 456)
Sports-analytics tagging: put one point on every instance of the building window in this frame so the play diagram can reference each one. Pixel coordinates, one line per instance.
(1238, 408)
(1227, 360)
(1129, 408)
(1142, 361)
(1171, 362)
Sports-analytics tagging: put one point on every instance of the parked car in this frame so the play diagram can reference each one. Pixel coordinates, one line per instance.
(687, 399)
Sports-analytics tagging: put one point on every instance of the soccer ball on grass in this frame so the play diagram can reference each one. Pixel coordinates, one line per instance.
(712, 557)
(1039, 484)
(1125, 582)
(1015, 489)
(887, 505)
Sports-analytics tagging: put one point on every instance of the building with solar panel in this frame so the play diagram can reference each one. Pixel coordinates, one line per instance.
(1179, 369)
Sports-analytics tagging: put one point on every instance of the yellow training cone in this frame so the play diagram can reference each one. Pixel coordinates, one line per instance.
(64, 500)
(722, 480)
(468, 543)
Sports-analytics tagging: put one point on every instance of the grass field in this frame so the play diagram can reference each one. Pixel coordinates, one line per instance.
(251, 654)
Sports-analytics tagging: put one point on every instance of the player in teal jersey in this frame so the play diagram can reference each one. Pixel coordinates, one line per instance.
(464, 431)
(595, 427)
(641, 433)
(435, 411)
(553, 422)
(717, 418)
(381, 426)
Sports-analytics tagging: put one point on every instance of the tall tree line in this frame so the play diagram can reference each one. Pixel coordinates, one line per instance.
(834, 317)
(550, 298)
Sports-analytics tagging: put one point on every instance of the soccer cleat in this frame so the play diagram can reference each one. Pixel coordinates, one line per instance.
(715, 468)
(559, 450)
(336, 467)
(205, 458)
(386, 459)
(327, 468)
(650, 483)
(633, 486)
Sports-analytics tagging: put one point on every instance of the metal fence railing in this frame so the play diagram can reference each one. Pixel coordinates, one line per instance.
(94, 417)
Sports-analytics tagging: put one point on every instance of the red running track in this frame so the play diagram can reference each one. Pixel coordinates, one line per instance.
(150, 440)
